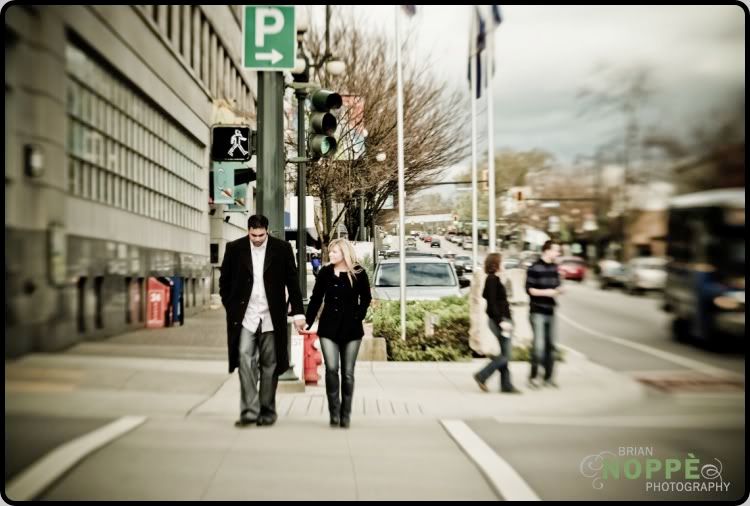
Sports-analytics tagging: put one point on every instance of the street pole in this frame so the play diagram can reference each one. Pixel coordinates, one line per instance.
(474, 189)
(301, 197)
(271, 159)
(491, 144)
(362, 234)
(401, 192)
(271, 162)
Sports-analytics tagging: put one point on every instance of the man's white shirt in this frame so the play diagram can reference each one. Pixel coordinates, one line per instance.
(257, 307)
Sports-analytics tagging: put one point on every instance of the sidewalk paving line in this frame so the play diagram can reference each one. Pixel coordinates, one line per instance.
(664, 355)
(40, 475)
(502, 477)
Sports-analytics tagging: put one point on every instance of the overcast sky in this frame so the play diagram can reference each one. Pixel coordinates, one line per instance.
(545, 54)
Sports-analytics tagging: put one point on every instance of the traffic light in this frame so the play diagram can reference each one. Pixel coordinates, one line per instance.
(519, 196)
(323, 124)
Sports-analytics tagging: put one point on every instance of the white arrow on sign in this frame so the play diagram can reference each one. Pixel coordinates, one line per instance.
(274, 56)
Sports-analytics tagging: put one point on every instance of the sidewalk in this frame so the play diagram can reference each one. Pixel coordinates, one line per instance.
(189, 449)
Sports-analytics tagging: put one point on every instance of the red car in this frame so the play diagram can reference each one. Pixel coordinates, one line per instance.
(572, 268)
(428, 238)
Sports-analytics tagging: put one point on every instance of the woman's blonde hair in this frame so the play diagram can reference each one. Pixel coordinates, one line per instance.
(350, 257)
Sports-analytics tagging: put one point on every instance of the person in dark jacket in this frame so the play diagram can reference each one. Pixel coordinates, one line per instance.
(315, 262)
(543, 287)
(344, 286)
(501, 324)
(256, 273)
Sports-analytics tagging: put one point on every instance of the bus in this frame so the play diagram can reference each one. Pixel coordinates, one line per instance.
(705, 288)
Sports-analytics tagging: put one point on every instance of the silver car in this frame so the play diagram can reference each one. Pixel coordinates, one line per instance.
(464, 261)
(426, 279)
(646, 273)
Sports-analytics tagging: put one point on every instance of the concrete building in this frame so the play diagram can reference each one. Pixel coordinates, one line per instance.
(108, 112)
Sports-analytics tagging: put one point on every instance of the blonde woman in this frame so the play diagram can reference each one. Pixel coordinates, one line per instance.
(345, 288)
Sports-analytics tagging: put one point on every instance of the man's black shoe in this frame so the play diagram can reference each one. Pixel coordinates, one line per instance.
(345, 422)
(243, 422)
(267, 420)
(335, 420)
(511, 390)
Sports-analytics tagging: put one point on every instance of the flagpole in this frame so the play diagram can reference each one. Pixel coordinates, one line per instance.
(491, 141)
(474, 196)
(401, 193)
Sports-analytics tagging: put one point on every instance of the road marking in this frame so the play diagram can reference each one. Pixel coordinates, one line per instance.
(664, 355)
(40, 475)
(653, 421)
(572, 351)
(502, 477)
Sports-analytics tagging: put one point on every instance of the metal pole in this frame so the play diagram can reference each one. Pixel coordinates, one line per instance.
(474, 189)
(491, 143)
(362, 234)
(401, 192)
(301, 197)
(271, 163)
(270, 151)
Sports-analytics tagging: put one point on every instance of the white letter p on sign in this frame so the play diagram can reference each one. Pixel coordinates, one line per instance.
(261, 29)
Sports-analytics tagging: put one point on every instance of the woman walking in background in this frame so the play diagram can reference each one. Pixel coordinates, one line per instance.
(501, 325)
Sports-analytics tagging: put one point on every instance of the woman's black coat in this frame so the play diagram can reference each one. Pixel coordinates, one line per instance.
(345, 304)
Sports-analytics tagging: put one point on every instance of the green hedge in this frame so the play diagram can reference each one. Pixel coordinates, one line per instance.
(450, 341)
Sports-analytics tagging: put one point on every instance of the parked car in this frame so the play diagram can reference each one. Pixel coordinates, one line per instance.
(428, 238)
(426, 279)
(511, 263)
(423, 254)
(451, 257)
(467, 243)
(646, 273)
(611, 273)
(529, 259)
(435, 243)
(466, 262)
(572, 268)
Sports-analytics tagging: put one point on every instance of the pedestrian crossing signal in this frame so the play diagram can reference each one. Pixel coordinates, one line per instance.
(232, 143)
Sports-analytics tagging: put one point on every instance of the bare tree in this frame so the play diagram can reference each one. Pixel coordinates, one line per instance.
(434, 120)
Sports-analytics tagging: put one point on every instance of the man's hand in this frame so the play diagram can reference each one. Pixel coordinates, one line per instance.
(300, 325)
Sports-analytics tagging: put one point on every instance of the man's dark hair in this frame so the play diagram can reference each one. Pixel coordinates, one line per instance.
(548, 245)
(257, 221)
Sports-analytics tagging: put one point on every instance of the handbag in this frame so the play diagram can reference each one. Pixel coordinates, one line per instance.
(481, 338)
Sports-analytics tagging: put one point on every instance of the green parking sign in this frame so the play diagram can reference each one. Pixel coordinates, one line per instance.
(270, 36)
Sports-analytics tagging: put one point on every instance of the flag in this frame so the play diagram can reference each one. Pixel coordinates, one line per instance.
(478, 42)
(409, 9)
(496, 17)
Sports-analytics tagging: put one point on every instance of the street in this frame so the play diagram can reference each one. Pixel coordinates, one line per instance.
(623, 384)
(693, 403)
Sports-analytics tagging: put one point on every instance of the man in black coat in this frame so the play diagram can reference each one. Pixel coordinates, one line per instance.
(256, 274)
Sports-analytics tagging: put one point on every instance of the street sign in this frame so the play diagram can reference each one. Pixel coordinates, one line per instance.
(270, 37)
(231, 143)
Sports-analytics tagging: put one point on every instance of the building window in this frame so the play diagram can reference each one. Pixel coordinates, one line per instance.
(116, 131)
(214, 253)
